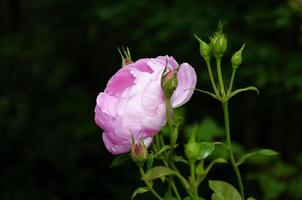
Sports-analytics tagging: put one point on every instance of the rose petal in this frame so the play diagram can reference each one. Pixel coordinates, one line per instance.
(186, 83)
(120, 81)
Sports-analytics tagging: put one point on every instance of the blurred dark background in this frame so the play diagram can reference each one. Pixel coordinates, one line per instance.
(57, 55)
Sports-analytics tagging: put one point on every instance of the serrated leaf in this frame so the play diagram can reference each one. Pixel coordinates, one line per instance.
(206, 148)
(118, 160)
(224, 191)
(158, 172)
(263, 152)
(250, 88)
(139, 190)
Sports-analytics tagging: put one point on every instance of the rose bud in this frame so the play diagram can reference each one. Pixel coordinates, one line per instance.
(219, 43)
(169, 83)
(237, 58)
(133, 102)
(204, 48)
(192, 148)
(139, 153)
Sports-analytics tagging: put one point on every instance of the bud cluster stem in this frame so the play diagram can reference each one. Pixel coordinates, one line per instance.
(231, 81)
(229, 144)
(211, 76)
(220, 79)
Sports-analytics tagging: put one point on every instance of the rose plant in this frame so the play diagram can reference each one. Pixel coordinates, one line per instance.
(138, 102)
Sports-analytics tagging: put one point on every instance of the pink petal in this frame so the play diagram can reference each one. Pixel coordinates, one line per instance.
(120, 147)
(171, 61)
(186, 84)
(142, 66)
(120, 81)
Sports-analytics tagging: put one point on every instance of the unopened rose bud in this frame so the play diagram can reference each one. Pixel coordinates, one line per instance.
(192, 148)
(219, 43)
(205, 49)
(169, 83)
(237, 58)
(139, 153)
(126, 56)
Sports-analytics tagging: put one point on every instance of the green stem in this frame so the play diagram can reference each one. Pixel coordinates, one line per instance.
(149, 185)
(231, 82)
(168, 112)
(220, 79)
(211, 76)
(195, 186)
(229, 143)
(170, 124)
(175, 189)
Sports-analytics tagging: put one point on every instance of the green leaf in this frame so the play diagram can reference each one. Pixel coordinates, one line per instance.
(139, 190)
(180, 159)
(250, 88)
(224, 191)
(118, 160)
(263, 152)
(217, 196)
(206, 148)
(251, 198)
(189, 198)
(158, 172)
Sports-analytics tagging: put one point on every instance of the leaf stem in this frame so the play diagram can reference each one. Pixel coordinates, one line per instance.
(149, 185)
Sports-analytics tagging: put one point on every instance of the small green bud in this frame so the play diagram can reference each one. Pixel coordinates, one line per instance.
(139, 152)
(192, 148)
(192, 151)
(205, 49)
(219, 43)
(237, 58)
(169, 82)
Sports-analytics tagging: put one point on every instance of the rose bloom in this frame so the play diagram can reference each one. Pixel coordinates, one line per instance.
(133, 103)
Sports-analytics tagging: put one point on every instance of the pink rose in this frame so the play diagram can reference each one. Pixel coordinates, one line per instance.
(133, 103)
